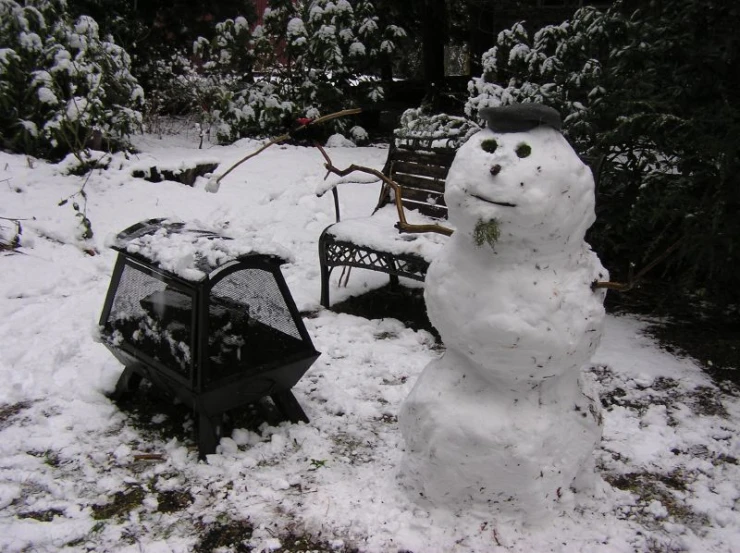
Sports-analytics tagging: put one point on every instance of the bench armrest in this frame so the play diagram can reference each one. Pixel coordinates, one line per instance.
(331, 184)
(357, 178)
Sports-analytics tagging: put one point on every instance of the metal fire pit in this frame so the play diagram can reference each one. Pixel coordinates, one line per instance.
(213, 326)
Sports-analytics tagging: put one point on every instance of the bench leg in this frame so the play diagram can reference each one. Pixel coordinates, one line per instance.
(209, 433)
(324, 267)
(391, 263)
(325, 273)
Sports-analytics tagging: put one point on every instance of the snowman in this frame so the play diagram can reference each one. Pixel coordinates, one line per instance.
(503, 422)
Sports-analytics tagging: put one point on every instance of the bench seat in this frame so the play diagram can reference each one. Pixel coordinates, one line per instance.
(378, 233)
(419, 168)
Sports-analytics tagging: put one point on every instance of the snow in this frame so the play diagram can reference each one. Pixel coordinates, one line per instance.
(47, 96)
(191, 250)
(359, 134)
(6, 55)
(31, 42)
(87, 26)
(240, 23)
(296, 27)
(373, 232)
(339, 141)
(30, 127)
(64, 447)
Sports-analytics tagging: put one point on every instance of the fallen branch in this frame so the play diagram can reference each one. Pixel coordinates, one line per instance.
(149, 457)
(402, 225)
(214, 183)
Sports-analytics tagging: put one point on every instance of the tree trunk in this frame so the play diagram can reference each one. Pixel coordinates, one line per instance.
(435, 37)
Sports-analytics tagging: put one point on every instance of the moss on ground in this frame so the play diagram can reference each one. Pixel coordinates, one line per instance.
(233, 534)
(120, 505)
(9, 412)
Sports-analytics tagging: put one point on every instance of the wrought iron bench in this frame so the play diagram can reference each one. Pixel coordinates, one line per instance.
(387, 241)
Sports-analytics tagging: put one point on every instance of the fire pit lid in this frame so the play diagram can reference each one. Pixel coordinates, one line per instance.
(188, 250)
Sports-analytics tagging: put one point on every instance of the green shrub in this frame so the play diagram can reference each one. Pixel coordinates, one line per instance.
(315, 57)
(62, 87)
(647, 98)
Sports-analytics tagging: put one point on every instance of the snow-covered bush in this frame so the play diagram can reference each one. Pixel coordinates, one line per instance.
(339, 141)
(62, 86)
(647, 99)
(451, 130)
(307, 59)
(202, 82)
(559, 65)
(359, 135)
(314, 58)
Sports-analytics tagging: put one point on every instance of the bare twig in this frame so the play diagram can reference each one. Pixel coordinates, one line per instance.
(346, 270)
(284, 137)
(402, 225)
(632, 281)
(82, 214)
(149, 457)
(13, 219)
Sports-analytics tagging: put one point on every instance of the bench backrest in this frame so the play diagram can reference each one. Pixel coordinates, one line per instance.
(420, 166)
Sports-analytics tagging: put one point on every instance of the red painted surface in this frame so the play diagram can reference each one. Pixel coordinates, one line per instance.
(259, 7)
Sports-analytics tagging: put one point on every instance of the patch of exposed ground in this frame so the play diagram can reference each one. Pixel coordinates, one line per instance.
(397, 302)
(232, 535)
(9, 413)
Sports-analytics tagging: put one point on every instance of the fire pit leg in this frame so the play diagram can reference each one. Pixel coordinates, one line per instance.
(127, 383)
(209, 434)
(289, 407)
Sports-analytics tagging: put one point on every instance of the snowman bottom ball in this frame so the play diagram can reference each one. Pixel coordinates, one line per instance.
(470, 447)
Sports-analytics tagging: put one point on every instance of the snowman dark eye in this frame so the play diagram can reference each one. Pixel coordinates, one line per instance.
(523, 150)
(489, 145)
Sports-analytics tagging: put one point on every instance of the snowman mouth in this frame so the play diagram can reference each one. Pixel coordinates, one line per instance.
(504, 204)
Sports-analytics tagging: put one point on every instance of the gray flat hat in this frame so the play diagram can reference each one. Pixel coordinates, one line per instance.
(520, 117)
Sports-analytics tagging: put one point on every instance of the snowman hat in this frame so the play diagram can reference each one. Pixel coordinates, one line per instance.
(520, 117)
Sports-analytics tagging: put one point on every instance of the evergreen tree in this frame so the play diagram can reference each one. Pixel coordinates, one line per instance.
(315, 57)
(649, 99)
(63, 87)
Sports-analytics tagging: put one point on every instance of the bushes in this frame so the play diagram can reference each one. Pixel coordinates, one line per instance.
(204, 81)
(647, 99)
(315, 57)
(308, 58)
(62, 86)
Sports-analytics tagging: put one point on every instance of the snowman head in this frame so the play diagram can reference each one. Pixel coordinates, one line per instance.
(519, 184)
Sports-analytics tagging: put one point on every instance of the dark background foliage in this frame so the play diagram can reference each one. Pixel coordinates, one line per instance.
(661, 132)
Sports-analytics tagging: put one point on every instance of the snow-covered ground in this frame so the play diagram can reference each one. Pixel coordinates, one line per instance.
(668, 463)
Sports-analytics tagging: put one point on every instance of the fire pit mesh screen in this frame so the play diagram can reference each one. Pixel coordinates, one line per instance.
(250, 325)
(154, 318)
